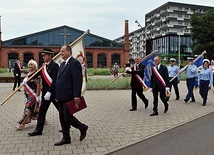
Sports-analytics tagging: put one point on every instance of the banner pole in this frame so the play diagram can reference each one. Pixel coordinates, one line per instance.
(144, 58)
(56, 56)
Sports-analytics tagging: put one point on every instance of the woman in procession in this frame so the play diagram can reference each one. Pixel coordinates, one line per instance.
(205, 80)
(32, 93)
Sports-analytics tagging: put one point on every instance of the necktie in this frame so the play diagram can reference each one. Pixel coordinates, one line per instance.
(62, 66)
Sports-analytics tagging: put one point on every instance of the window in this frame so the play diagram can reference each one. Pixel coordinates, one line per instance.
(115, 58)
(89, 60)
(12, 57)
(27, 58)
(101, 63)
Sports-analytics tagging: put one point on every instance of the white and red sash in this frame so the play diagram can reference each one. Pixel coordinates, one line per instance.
(158, 76)
(145, 87)
(46, 76)
(30, 92)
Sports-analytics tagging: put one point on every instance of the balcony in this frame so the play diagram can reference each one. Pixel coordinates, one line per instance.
(170, 10)
(190, 13)
(180, 18)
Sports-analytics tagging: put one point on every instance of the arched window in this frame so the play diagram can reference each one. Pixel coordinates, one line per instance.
(12, 57)
(115, 58)
(101, 63)
(89, 60)
(27, 58)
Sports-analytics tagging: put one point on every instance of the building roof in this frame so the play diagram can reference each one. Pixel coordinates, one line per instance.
(57, 36)
(180, 5)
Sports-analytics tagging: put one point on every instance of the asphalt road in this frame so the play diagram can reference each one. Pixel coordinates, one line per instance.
(193, 138)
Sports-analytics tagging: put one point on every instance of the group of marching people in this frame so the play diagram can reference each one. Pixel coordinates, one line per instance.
(60, 84)
(164, 77)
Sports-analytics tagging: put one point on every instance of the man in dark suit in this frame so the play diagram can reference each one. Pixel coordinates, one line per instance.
(68, 88)
(159, 84)
(17, 74)
(49, 75)
(137, 73)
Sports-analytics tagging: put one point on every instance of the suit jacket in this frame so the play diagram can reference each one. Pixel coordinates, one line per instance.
(16, 69)
(69, 81)
(139, 71)
(52, 69)
(163, 71)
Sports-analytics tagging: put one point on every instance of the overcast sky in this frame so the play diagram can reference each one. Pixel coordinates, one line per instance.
(104, 18)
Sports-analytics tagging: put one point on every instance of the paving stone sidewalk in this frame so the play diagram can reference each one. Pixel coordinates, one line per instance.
(111, 125)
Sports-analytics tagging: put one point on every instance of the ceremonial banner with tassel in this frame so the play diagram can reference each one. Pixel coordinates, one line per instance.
(78, 52)
(148, 69)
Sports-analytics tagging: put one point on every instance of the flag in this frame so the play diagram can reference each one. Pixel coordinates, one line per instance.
(148, 69)
(198, 63)
(78, 52)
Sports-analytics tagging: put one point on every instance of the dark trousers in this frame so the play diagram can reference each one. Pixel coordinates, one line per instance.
(43, 111)
(204, 88)
(174, 83)
(190, 86)
(17, 80)
(213, 80)
(66, 119)
(140, 94)
(155, 91)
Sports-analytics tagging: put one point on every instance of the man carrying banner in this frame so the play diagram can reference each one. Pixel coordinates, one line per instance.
(191, 74)
(137, 83)
(159, 84)
(68, 87)
(49, 75)
(173, 70)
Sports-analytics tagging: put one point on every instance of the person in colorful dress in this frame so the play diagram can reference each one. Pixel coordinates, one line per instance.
(32, 93)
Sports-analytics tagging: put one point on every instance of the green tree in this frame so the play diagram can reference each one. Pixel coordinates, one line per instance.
(203, 33)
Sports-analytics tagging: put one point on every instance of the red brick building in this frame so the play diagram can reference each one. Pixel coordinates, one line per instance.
(100, 52)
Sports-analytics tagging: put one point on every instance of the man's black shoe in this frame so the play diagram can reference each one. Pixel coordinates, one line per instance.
(154, 114)
(177, 98)
(185, 100)
(35, 133)
(146, 104)
(166, 109)
(60, 130)
(83, 133)
(192, 101)
(132, 109)
(62, 142)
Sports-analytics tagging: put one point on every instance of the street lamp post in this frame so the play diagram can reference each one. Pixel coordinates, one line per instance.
(179, 44)
(179, 49)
